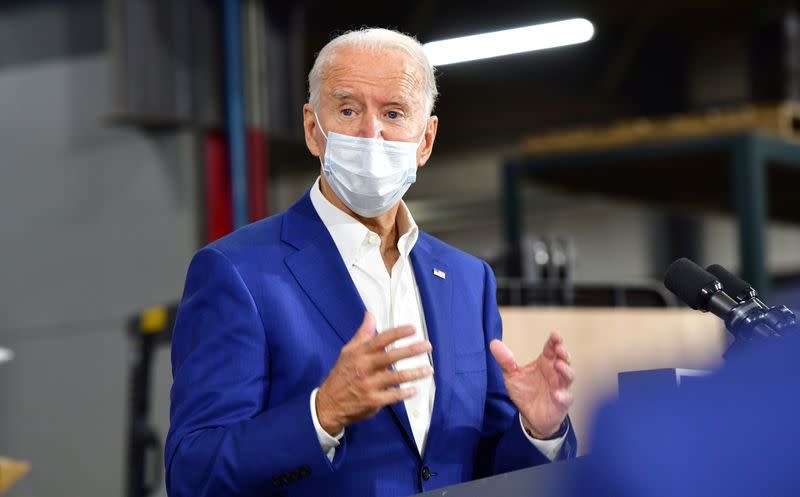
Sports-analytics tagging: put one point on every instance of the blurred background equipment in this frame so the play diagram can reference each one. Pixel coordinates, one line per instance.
(711, 161)
(147, 330)
(10, 472)
(548, 278)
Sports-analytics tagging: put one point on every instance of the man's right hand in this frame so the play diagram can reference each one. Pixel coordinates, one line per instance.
(361, 382)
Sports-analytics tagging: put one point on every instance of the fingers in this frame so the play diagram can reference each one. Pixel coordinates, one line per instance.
(382, 340)
(366, 331)
(554, 348)
(560, 384)
(562, 398)
(553, 341)
(387, 379)
(503, 355)
(386, 359)
(359, 384)
(368, 353)
(566, 374)
(561, 353)
(384, 387)
(393, 396)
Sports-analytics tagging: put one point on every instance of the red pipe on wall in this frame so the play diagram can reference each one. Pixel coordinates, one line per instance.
(219, 210)
(219, 213)
(257, 171)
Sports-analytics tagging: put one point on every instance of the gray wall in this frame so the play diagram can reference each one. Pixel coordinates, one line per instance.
(97, 222)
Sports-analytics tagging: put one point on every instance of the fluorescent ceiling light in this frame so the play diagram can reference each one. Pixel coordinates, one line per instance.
(5, 355)
(509, 41)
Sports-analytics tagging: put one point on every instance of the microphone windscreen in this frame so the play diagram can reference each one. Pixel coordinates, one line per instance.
(732, 284)
(686, 279)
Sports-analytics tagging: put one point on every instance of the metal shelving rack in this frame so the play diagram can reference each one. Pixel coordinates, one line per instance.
(748, 166)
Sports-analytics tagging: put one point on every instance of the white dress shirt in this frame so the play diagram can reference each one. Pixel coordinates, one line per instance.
(394, 301)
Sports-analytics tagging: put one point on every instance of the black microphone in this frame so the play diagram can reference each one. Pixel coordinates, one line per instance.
(733, 285)
(701, 290)
(698, 288)
(780, 318)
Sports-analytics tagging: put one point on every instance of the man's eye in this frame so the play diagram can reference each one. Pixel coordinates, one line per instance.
(347, 112)
(393, 114)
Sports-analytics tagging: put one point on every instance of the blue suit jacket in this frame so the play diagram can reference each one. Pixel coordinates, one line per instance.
(264, 314)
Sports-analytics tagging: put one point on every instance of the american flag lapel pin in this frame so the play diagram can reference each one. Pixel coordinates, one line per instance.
(438, 272)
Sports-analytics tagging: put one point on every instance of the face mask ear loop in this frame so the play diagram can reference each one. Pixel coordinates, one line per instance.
(424, 132)
(316, 118)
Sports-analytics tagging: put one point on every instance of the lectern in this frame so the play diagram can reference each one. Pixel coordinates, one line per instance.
(547, 480)
(557, 478)
(635, 383)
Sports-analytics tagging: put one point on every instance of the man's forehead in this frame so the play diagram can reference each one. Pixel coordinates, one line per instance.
(393, 71)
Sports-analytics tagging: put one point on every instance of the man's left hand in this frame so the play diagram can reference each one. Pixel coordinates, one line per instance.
(540, 389)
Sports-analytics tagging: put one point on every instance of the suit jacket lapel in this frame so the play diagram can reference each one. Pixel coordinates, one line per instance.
(436, 293)
(319, 269)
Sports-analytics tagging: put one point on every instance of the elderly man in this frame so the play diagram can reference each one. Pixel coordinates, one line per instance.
(336, 349)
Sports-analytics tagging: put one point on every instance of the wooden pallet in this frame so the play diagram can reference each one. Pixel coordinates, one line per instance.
(10, 472)
(781, 119)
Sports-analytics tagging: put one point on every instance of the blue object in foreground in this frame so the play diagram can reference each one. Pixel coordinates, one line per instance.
(737, 434)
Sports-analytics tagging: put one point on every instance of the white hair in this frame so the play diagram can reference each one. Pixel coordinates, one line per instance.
(373, 39)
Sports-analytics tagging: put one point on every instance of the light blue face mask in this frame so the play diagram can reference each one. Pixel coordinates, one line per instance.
(368, 174)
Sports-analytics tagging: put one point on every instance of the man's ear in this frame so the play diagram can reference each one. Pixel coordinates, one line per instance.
(310, 131)
(424, 153)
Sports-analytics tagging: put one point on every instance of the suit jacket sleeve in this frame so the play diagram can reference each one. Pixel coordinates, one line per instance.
(224, 438)
(504, 447)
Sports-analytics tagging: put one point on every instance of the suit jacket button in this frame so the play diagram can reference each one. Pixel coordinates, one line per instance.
(426, 473)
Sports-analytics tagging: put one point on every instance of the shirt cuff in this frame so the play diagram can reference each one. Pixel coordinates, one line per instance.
(327, 442)
(549, 448)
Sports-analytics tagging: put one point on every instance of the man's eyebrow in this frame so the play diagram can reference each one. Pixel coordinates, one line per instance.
(398, 101)
(342, 94)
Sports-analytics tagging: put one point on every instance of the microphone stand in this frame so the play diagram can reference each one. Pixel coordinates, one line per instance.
(759, 323)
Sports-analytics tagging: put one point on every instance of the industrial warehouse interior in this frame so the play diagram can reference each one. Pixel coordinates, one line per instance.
(136, 132)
